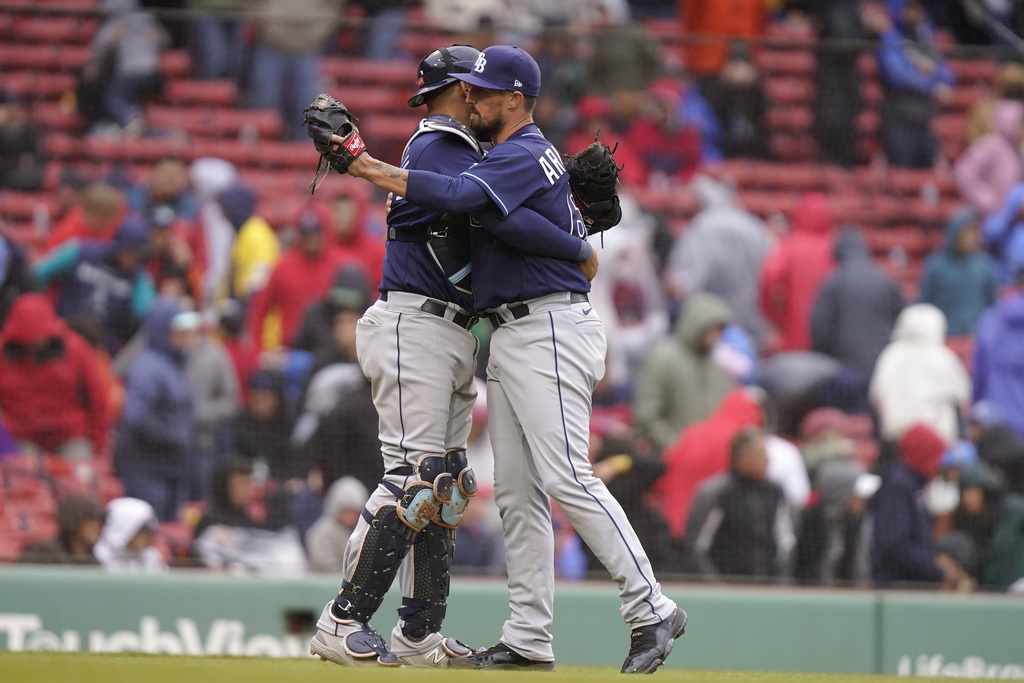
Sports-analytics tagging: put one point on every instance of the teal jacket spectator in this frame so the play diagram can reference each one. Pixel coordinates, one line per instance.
(104, 281)
(1003, 234)
(960, 279)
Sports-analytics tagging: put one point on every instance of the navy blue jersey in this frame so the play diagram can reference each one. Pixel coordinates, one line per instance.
(524, 171)
(408, 265)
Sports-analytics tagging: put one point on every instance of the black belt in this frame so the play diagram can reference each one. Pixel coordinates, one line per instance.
(434, 307)
(521, 310)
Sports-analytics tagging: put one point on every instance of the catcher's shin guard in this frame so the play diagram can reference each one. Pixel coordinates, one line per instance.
(384, 546)
(423, 612)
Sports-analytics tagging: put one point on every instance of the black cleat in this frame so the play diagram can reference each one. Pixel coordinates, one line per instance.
(650, 645)
(501, 656)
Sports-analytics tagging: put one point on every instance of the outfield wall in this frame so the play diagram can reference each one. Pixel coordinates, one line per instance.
(196, 612)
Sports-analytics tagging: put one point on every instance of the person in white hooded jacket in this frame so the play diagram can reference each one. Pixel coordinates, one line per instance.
(917, 378)
(125, 543)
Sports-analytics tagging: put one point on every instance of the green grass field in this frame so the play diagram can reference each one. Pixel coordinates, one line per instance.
(46, 667)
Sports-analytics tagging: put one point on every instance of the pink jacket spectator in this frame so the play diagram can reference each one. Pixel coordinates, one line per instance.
(992, 164)
(793, 271)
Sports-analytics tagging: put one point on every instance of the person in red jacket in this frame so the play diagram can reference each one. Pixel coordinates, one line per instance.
(700, 452)
(666, 145)
(303, 275)
(52, 394)
(349, 226)
(793, 271)
(96, 218)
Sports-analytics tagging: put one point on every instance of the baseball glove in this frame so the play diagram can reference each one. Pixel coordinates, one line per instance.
(324, 117)
(592, 178)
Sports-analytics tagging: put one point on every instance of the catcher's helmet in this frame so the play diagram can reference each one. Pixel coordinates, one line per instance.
(436, 69)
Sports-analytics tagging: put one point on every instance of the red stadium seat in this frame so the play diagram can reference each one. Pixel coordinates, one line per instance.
(217, 92)
(794, 62)
(175, 64)
(789, 91)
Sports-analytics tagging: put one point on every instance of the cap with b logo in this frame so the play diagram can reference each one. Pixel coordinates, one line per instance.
(504, 67)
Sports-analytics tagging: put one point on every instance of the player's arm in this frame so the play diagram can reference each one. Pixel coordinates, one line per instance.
(532, 233)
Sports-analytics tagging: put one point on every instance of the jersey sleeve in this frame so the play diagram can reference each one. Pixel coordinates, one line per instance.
(509, 175)
(530, 232)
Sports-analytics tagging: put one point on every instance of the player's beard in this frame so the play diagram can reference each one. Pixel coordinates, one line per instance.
(486, 132)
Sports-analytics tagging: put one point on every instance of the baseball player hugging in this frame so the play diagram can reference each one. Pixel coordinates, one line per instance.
(531, 276)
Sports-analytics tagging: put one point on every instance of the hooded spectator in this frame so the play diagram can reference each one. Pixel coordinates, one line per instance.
(795, 269)
(701, 452)
(998, 364)
(918, 379)
(126, 542)
(326, 540)
(721, 252)
(348, 221)
(680, 383)
(255, 250)
(303, 274)
(152, 455)
(833, 547)
(1001, 448)
(106, 281)
(79, 521)
(960, 278)
(856, 308)
(52, 394)
(986, 170)
(902, 542)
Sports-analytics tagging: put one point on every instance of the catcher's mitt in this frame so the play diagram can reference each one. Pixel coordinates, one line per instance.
(324, 117)
(592, 178)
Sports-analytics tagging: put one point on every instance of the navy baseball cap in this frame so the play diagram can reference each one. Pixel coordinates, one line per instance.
(504, 67)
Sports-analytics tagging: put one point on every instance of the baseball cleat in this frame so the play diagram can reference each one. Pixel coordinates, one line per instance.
(352, 644)
(650, 645)
(434, 651)
(501, 656)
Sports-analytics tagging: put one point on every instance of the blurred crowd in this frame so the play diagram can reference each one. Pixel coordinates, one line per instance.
(776, 407)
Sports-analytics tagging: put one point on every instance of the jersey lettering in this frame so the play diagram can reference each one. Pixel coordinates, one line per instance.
(481, 62)
(551, 165)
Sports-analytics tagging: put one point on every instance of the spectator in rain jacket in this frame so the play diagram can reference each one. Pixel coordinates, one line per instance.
(155, 435)
(794, 271)
(680, 383)
(960, 279)
(52, 393)
(856, 308)
(998, 364)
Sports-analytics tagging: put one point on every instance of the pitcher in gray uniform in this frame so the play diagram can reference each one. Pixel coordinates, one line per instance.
(547, 355)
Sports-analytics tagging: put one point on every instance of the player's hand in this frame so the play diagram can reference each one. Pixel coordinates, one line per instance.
(589, 267)
(387, 204)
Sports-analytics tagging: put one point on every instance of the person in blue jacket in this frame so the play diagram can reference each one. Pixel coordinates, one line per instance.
(155, 434)
(998, 367)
